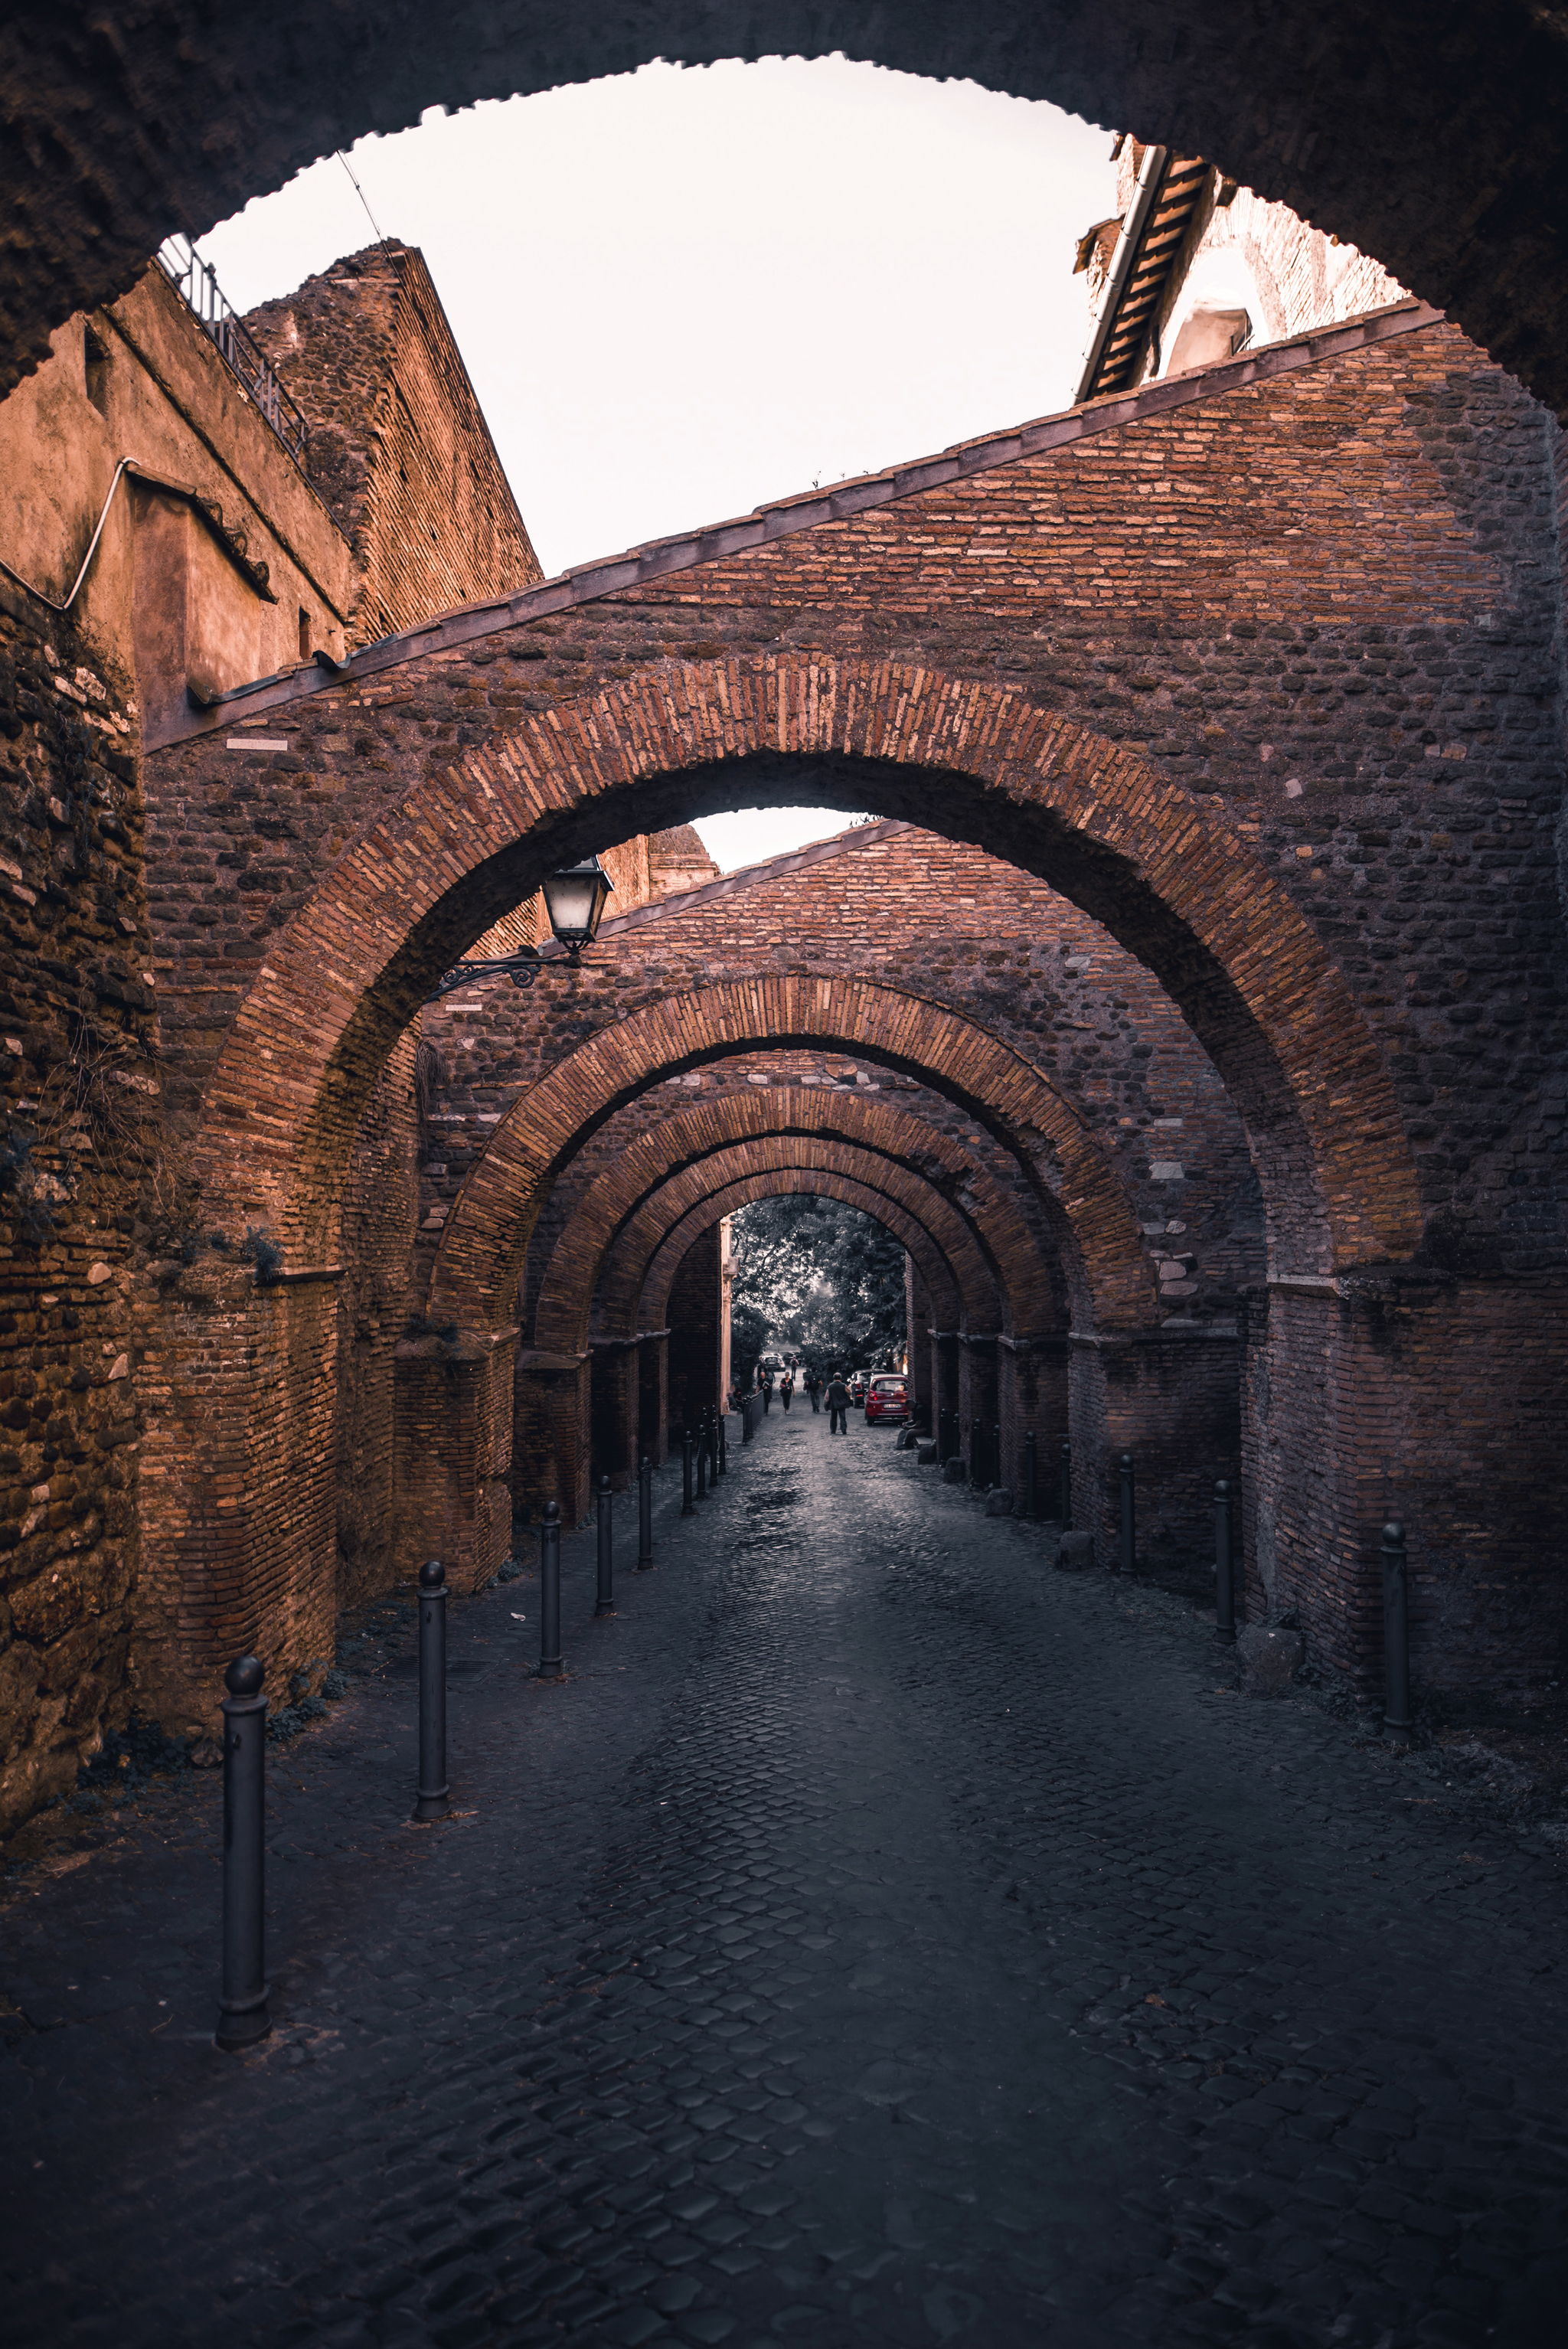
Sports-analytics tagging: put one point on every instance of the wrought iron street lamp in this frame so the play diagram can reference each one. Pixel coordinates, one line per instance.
(575, 899)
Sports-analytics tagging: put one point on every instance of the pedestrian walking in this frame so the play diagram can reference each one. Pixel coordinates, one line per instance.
(766, 1384)
(787, 1388)
(814, 1388)
(837, 1404)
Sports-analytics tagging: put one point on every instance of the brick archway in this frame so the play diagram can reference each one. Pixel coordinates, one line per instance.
(1164, 872)
(481, 1248)
(605, 1276)
(171, 118)
(649, 1305)
(688, 1146)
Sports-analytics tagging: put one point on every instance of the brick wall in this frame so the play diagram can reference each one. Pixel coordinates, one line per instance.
(400, 446)
(1262, 673)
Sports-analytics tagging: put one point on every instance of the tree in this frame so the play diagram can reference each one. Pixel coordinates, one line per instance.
(818, 1278)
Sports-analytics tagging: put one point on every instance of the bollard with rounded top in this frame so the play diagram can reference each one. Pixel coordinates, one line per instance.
(644, 1516)
(1224, 1568)
(242, 2016)
(977, 1447)
(1067, 1488)
(1031, 1477)
(746, 1419)
(604, 1598)
(688, 1506)
(721, 1463)
(1396, 1634)
(1127, 1560)
(432, 1800)
(551, 1667)
(702, 1455)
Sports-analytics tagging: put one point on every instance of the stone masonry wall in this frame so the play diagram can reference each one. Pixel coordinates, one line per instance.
(79, 1192)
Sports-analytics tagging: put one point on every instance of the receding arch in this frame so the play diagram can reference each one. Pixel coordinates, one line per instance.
(606, 1249)
(1165, 873)
(481, 1248)
(648, 1307)
(695, 1141)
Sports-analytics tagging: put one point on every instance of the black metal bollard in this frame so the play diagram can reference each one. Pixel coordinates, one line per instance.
(746, 1419)
(1129, 1558)
(1031, 1477)
(243, 2017)
(721, 1461)
(432, 1800)
(977, 1443)
(604, 1598)
(702, 1455)
(1066, 1487)
(688, 1506)
(644, 1516)
(551, 1667)
(1224, 1578)
(996, 1461)
(1396, 1634)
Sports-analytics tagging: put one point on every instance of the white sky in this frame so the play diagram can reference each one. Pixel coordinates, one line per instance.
(684, 292)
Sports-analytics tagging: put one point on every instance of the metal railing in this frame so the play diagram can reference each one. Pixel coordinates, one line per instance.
(195, 280)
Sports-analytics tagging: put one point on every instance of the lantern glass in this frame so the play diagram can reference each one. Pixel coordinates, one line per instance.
(574, 900)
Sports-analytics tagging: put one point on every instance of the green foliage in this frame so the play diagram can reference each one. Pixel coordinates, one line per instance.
(816, 1279)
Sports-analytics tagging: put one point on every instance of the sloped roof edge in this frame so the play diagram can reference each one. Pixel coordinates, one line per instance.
(469, 624)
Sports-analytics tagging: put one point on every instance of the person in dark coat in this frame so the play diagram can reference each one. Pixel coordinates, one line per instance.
(838, 1405)
(765, 1380)
(814, 1387)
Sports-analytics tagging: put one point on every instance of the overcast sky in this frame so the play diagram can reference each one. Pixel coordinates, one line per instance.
(682, 291)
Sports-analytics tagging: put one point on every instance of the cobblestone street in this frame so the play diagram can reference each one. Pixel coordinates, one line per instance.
(879, 1937)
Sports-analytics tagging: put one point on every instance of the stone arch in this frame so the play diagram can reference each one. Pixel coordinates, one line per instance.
(482, 1246)
(651, 1302)
(687, 1146)
(1163, 872)
(1301, 105)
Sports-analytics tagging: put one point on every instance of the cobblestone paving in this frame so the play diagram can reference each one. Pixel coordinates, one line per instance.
(879, 1938)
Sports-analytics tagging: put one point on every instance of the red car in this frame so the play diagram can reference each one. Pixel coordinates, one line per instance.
(888, 1397)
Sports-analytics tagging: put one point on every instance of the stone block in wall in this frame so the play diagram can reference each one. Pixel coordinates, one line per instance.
(1268, 1654)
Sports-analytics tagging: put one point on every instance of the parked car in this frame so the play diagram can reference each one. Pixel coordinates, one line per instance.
(887, 1397)
(858, 1381)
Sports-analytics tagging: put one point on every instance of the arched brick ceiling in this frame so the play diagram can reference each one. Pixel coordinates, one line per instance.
(646, 1311)
(1431, 135)
(481, 1248)
(695, 1143)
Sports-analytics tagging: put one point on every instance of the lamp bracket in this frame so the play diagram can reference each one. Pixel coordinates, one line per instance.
(522, 968)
